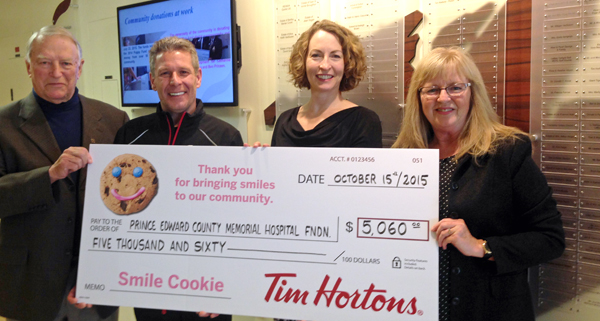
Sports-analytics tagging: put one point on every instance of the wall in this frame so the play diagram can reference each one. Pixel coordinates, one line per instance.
(14, 32)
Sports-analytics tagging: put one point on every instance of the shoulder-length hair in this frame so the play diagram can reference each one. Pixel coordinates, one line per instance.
(355, 65)
(482, 132)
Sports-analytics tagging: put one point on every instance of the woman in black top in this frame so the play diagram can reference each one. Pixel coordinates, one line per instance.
(497, 216)
(328, 59)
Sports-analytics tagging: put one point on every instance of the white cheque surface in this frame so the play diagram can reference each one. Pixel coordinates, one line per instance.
(303, 233)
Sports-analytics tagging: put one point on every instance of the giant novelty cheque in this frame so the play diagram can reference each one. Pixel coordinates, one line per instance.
(302, 233)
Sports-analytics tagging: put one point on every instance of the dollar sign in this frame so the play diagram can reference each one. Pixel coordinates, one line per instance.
(349, 227)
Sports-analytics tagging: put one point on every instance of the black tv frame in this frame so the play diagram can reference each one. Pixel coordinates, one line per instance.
(236, 56)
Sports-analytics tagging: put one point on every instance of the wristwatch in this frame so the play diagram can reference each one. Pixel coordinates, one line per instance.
(487, 253)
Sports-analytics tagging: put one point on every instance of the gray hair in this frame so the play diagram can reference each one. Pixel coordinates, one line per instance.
(48, 31)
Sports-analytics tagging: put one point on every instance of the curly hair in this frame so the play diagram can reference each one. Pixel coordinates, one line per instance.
(355, 65)
(482, 133)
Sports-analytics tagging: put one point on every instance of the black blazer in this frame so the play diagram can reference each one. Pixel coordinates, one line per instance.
(38, 219)
(506, 201)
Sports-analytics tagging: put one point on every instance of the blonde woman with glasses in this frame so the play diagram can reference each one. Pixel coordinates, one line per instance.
(497, 215)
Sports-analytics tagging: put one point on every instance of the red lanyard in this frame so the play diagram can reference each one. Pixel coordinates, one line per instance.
(176, 132)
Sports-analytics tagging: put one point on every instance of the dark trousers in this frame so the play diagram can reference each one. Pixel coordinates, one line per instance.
(166, 315)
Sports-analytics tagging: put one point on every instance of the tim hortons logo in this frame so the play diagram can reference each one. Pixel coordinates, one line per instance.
(371, 298)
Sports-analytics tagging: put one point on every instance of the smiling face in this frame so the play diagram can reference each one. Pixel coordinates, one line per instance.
(446, 114)
(176, 81)
(324, 62)
(128, 184)
(54, 68)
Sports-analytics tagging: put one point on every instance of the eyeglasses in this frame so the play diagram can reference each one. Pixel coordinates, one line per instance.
(452, 90)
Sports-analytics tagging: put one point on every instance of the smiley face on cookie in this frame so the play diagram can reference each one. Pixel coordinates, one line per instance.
(128, 184)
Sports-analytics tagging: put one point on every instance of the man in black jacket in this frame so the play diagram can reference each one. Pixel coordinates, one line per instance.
(179, 120)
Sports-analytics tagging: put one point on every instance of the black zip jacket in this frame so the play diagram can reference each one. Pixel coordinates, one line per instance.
(198, 128)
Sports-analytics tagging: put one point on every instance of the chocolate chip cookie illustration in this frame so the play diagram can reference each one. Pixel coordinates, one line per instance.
(128, 184)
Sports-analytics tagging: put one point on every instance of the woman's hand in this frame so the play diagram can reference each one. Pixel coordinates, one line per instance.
(256, 145)
(456, 232)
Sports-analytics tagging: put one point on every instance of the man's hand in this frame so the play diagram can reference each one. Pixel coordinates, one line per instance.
(71, 160)
(203, 314)
(73, 300)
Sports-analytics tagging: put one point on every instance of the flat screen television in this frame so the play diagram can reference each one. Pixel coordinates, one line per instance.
(209, 24)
